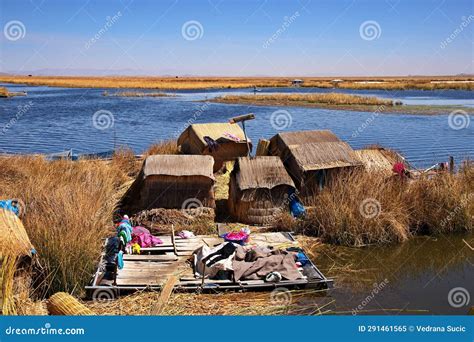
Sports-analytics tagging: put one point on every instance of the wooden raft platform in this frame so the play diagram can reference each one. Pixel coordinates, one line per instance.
(152, 268)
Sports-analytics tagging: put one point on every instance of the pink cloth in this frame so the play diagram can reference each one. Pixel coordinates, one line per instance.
(143, 237)
(399, 168)
(236, 236)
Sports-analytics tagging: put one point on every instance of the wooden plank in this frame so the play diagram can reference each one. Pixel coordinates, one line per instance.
(165, 295)
(184, 253)
(154, 258)
(157, 249)
(145, 277)
(145, 270)
(150, 264)
(141, 282)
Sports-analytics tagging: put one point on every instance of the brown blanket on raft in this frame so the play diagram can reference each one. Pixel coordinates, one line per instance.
(265, 261)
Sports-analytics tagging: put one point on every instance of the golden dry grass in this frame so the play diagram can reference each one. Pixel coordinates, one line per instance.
(362, 208)
(416, 82)
(69, 208)
(443, 204)
(3, 92)
(163, 147)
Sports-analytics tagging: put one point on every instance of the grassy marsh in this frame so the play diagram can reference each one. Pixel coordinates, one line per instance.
(339, 101)
(150, 82)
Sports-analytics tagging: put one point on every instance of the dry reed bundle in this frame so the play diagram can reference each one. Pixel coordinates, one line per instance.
(14, 245)
(64, 304)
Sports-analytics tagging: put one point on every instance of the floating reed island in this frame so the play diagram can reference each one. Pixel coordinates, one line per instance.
(359, 198)
(138, 94)
(5, 93)
(329, 99)
(338, 101)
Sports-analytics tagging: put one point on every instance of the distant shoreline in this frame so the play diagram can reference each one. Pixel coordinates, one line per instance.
(189, 83)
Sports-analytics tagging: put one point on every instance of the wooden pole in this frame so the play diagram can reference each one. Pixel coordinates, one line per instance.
(165, 295)
(451, 164)
(246, 139)
(173, 240)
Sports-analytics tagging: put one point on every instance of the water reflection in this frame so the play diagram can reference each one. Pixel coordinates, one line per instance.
(410, 278)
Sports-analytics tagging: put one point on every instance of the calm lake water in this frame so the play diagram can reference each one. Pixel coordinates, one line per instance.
(414, 277)
(58, 119)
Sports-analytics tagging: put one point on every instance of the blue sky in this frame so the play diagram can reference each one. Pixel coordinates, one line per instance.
(241, 38)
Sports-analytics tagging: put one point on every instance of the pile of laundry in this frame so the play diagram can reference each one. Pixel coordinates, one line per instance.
(134, 238)
(235, 262)
(129, 240)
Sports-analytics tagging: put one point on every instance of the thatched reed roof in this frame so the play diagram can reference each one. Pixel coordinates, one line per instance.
(306, 137)
(313, 150)
(261, 172)
(14, 241)
(216, 131)
(323, 155)
(178, 165)
(378, 159)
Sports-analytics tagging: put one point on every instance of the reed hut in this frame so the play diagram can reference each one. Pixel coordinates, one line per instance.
(258, 189)
(171, 182)
(379, 159)
(229, 141)
(297, 82)
(15, 257)
(312, 158)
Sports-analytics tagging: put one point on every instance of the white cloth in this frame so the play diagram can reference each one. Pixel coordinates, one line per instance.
(201, 253)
